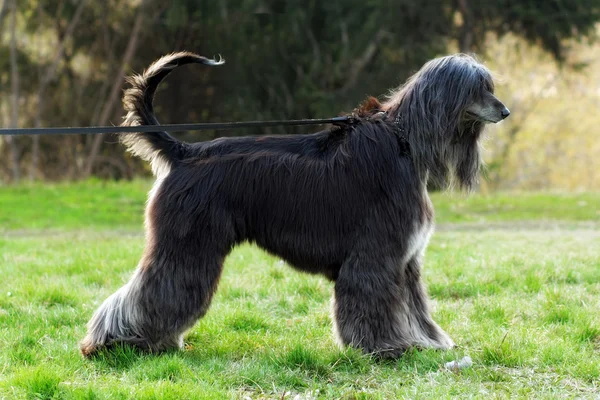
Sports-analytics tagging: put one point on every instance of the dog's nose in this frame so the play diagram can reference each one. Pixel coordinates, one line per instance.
(505, 113)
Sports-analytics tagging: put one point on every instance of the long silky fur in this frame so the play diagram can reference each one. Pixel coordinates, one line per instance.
(349, 202)
(431, 107)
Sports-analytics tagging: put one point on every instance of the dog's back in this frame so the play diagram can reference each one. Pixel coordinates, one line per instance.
(267, 189)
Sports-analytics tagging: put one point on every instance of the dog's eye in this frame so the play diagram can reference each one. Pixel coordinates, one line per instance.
(489, 86)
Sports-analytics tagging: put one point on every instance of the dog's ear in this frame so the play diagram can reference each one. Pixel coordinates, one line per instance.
(368, 108)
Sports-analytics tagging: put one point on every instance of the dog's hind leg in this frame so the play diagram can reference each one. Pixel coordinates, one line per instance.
(171, 289)
(380, 306)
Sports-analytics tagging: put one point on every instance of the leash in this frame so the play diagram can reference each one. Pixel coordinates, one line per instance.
(91, 130)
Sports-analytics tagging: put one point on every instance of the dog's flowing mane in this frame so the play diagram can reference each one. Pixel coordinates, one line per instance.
(430, 108)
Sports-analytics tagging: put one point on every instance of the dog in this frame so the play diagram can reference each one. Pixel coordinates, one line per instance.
(349, 203)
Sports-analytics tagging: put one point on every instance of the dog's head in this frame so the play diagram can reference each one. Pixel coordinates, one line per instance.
(463, 87)
(443, 109)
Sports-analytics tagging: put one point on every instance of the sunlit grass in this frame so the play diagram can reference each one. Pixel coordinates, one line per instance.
(522, 303)
(113, 205)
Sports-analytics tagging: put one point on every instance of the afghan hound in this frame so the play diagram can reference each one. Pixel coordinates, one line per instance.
(349, 202)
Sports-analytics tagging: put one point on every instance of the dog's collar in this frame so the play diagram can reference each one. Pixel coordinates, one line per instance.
(396, 123)
(400, 132)
(399, 128)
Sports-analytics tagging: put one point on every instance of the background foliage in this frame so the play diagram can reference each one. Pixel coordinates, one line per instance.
(64, 61)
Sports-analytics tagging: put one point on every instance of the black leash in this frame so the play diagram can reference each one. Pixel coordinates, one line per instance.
(171, 127)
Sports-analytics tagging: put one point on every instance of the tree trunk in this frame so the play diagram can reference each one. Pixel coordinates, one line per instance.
(45, 81)
(115, 91)
(14, 83)
(4, 10)
(465, 41)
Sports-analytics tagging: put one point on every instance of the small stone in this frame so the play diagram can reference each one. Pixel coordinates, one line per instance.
(465, 362)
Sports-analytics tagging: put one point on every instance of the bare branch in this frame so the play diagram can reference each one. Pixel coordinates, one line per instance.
(466, 39)
(364, 60)
(3, 12)
(14, 83)
(45, 81)
(113, 97)
(51, 72)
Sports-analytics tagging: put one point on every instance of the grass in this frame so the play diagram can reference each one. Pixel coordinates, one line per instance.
(92, 204)
(514, 279)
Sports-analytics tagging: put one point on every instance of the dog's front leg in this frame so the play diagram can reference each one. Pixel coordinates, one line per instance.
(424, 332)
(367, 305)
(380, 306)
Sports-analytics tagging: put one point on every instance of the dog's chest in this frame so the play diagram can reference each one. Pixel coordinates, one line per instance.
(419, 239)
(419, 236)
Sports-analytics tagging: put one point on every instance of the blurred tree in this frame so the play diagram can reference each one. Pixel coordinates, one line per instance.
(285, 59)
(15, 91)
(552, 140)
(47, 75)
(547, 23)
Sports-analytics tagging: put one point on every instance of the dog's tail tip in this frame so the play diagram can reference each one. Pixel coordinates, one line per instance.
(173, 60)
(216, 60)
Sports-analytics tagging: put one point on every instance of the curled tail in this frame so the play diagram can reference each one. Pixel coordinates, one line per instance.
(159, 148)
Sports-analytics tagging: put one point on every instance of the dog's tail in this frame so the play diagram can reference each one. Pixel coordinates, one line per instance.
(159, 148)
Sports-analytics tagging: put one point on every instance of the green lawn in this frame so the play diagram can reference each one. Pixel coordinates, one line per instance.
(514, 279)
